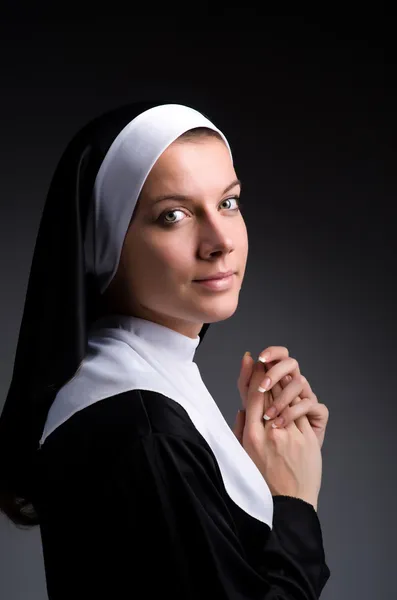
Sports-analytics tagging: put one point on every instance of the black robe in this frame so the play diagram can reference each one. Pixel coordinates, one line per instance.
(132, 505)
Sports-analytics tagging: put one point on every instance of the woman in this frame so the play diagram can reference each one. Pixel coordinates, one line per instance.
(118, 450)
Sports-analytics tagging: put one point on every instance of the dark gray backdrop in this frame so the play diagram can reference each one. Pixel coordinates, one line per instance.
(309, 109)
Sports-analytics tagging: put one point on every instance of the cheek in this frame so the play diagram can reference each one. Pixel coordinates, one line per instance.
(172, 259)
(161, 259)
(243, 241)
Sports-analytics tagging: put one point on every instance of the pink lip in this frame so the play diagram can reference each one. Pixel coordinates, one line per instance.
(219, 275)
(221, 283)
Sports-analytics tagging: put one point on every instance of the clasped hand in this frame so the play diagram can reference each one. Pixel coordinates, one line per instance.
(288, 394)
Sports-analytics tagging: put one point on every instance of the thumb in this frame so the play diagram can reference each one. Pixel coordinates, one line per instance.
(244, 379)
(239, 424)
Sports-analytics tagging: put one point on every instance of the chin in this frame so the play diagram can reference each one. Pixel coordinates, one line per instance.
(223, 311)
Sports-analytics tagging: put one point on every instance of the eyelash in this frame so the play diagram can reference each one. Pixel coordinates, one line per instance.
(168, 224)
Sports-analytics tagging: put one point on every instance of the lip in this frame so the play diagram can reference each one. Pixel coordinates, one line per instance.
(218, 284)
(219, 275)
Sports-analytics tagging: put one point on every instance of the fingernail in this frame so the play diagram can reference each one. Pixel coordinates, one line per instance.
(267, 385)
(278, 423)
(271, 412)
(264, 358)
(247, 354)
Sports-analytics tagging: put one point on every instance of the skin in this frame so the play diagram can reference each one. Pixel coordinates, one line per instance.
(206, 233)
(289, 393)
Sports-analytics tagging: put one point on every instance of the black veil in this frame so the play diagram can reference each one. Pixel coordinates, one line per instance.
(61, 302)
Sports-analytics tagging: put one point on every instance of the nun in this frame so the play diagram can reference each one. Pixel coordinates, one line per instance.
(110, 440)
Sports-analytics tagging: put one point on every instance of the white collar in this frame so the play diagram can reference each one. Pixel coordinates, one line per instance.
(161, 338)
(127, 353)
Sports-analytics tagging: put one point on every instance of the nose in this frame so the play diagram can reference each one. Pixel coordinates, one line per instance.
(216, 236)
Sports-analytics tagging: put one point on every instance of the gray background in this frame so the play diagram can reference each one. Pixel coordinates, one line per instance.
(309, 109)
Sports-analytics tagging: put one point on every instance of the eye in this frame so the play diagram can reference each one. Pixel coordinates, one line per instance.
(167, 223)
(237, 199)
(169, 212)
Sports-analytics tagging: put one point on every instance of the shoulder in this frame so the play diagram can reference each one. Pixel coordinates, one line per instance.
(132, 414)
(122, 439)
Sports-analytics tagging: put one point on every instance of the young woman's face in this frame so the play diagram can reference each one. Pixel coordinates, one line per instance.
(173, 242)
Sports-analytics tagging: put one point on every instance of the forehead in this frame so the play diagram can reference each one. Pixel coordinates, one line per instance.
(198, 166)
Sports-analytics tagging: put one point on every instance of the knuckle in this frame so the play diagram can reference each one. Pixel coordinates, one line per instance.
(296, 401)
(274, 435)
(298, 379)
(254, 438)
(276, 349)
(268, 349)
(325, 410)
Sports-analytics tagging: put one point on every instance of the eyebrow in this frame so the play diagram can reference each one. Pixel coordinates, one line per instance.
(183, 197)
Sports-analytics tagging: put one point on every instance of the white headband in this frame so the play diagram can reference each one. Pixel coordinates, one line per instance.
(121, 177)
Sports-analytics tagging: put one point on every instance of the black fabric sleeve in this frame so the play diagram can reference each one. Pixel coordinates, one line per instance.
(297, 538)
(186, 542)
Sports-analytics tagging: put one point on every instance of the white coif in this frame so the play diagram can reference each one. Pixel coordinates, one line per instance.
(121, 177)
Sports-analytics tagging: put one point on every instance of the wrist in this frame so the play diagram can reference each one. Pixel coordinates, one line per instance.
(310, 500)
(305, 497)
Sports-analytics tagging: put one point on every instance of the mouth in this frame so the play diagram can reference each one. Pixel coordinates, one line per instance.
(219, 275)
(218, 283)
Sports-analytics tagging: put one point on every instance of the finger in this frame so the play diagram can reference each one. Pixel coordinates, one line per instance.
(277, 388)
(267, 396)
(292, 413)
(238, 427)
(273, 376)
(303, 425)
(300, 421)
(317, 414)
(307, 391)
(257, 401)
(298, 386)
(287, 378)
(287, 366)
(270, 356)
(247, 364)
(273, 353)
